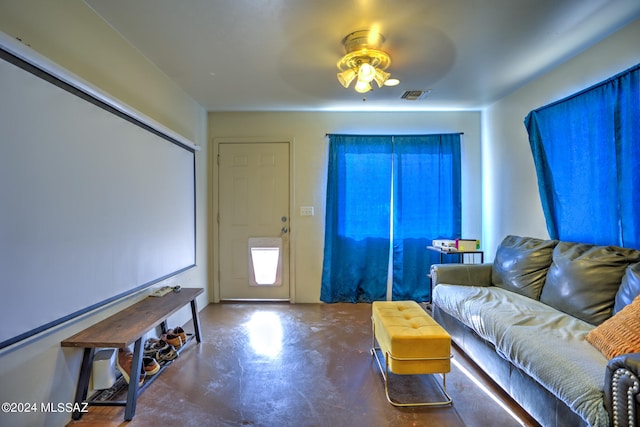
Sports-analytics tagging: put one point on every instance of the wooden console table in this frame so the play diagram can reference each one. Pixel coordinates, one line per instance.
(123, 329)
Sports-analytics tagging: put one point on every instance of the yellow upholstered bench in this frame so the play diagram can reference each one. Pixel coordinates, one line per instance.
(412, 344)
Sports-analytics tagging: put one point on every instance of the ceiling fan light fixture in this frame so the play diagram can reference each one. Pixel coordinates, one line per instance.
(365, 59)
(381, 77)
(346, 77)
(362, 86)
(366, 72)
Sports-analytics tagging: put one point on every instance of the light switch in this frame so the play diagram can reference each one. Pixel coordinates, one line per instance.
(306, 211)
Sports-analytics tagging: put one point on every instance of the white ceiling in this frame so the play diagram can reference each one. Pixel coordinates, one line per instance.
(270, 55)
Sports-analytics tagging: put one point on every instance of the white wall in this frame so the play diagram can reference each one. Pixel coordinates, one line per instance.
(511, 199)
(70, 34)
(308, 131)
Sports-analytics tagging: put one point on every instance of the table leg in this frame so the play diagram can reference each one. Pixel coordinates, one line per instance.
(83, 381)
(134, 380)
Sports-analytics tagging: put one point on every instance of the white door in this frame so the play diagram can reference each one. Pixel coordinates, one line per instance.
(253, 192)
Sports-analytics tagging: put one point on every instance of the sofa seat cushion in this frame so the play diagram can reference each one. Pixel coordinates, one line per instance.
(547, 344)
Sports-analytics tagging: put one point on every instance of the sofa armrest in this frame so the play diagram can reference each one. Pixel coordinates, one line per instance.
(461, 274)
(622, 390)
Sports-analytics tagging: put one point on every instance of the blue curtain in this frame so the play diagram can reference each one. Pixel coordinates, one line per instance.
(426, 206)
(586, 150)
(358, 225)
(426, 174)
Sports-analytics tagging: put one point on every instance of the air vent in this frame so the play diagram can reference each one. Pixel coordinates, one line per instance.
(414, 95)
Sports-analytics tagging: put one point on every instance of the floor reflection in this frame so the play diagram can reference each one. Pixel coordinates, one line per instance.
(265, 333)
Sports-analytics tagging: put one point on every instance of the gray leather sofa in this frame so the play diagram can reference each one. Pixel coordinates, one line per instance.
(524, 320)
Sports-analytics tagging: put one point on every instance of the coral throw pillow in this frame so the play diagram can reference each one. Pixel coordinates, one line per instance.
(619, 334)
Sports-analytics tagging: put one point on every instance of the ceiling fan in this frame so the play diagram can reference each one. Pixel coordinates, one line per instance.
(364, 61)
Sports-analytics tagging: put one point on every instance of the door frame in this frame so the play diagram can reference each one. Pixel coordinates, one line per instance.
(215, 229)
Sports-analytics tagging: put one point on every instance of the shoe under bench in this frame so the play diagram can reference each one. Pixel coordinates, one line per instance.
(122, 329)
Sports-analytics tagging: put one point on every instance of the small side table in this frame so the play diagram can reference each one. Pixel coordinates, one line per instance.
(459, 254)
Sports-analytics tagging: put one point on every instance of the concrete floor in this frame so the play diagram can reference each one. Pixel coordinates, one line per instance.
(278, 364)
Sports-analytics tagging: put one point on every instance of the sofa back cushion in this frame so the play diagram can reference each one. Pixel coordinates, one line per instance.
(629, 289)
(583, 279)
(521, 264)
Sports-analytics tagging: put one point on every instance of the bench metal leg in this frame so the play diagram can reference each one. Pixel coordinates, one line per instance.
(134, 381)
(385, 375)
(83, 381)
(196, 320)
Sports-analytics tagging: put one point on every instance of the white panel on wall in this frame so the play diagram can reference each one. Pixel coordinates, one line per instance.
(96, 204)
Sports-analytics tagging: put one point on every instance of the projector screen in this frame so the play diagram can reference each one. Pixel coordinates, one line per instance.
(96, 204)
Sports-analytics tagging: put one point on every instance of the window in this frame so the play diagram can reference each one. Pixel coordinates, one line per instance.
(586, 150)
(387, 198)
